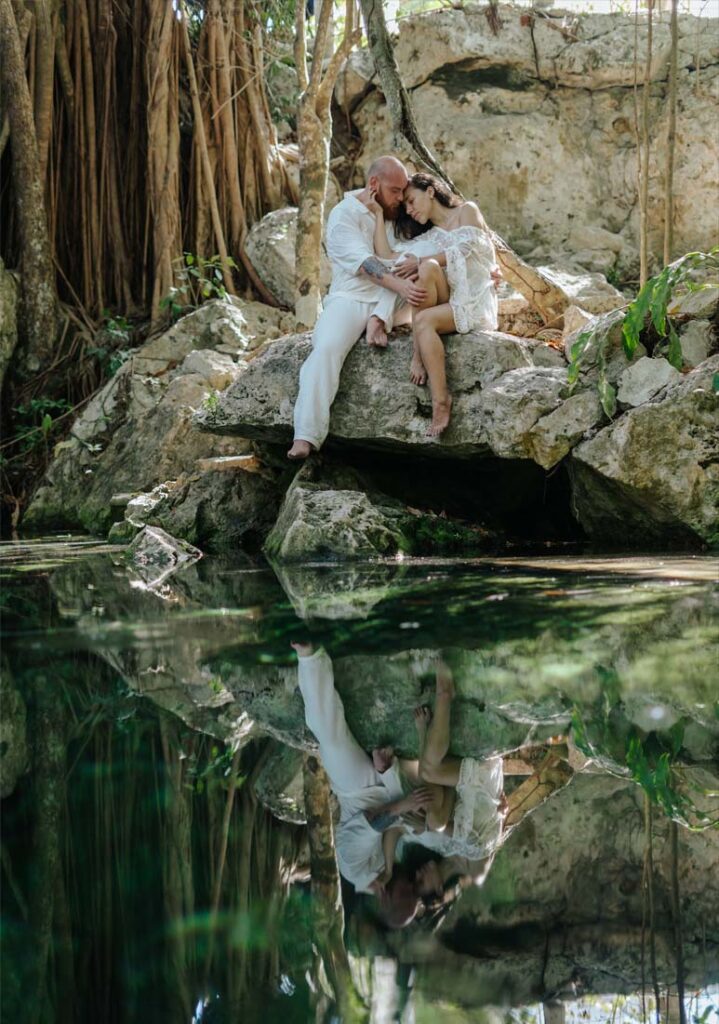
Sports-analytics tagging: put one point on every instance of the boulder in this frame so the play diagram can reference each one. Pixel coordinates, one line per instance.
(653, 474)
(499, 394)
(137, 432)
(218, 369)
(8, 319)
(702, 303)
(554, 435)
(154, 555)
(327, 514)
(468, 86)
(271, 248)
(644, 379)
(219, 507)
(698, 341)
(279, 784)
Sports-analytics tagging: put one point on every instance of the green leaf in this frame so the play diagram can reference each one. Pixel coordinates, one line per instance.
(46, 424)
(715, 386)
(608, 398)
(189, 259)
(674, 353)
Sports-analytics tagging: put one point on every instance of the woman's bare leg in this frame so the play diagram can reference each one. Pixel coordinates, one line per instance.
(439, 811)
(427, 326)
(434, 764)
(434, 281)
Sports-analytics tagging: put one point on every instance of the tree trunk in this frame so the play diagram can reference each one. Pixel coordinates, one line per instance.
(49, 755)
(671, 139)
(397, 97)
(163, 133)
(313, 138)
(327, 910)
(547, 298)
(314, 129)
(38, 296)
(644, 179)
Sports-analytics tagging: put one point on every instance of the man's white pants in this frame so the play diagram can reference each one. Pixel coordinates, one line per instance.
(348, 766)
(341, 323)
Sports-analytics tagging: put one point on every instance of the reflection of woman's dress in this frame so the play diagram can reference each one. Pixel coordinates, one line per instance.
(477, 827)
(470, 260)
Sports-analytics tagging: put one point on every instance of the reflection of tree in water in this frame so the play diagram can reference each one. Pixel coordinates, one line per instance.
(111, 853)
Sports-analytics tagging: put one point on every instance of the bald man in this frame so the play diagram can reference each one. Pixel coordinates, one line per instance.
(364, 297)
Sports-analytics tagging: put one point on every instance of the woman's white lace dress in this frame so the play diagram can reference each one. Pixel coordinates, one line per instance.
(470, 261)
(477, 821)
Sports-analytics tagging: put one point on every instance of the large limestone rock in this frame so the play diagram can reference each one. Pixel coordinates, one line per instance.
(229, 503)
(329, 515)
(271, 249)
(137, 431)
(502, 387)
(574, 92)
(644, 379)
(653, 474)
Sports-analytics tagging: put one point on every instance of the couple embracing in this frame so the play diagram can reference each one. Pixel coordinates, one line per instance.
(402, 249)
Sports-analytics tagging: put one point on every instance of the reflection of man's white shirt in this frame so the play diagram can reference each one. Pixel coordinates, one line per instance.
(359, 787)
(360, 856)
(349, 241)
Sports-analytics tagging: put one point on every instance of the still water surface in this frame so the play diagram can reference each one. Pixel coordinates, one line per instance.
(158, 773)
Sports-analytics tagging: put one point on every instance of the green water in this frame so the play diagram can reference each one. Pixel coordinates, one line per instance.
(126, 693)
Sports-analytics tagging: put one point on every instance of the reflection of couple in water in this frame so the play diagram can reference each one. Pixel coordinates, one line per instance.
(456, 807)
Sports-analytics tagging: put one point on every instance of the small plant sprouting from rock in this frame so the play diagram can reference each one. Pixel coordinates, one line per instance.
(199, 278)
(212, 403)
(653, 304)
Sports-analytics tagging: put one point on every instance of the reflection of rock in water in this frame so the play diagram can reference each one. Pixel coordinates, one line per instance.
(561, 911)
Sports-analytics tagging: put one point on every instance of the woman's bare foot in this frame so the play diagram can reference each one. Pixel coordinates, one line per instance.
(300, 450)
(441, 411)
(417, 372)
(422, 718)
(444, 680)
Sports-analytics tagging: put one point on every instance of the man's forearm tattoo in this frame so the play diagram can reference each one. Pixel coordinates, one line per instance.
(374, 268)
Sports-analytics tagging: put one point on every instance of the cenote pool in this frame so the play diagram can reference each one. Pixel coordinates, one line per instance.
(167, 837)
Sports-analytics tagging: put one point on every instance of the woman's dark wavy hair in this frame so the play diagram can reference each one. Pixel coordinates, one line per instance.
(406, 226)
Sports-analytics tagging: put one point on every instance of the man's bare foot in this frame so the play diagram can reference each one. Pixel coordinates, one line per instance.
(376, 334)
(300, 450)
(417, 372)
(302, 650)
(441, 411)
(445, 682)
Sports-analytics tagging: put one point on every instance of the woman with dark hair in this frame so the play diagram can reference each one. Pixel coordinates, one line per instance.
(453, 259)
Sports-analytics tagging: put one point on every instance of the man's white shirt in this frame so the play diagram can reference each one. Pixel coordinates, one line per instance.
(349, 241)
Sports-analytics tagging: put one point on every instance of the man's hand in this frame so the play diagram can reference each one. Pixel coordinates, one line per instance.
(408, 269)
(418, 800)
(411, 292)
(496, 276)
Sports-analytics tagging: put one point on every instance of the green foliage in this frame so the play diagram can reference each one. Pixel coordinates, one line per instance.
(199, 279)
(651, 306)
(652, 763)
(118, 331)
(35, 421)
(653, 302)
